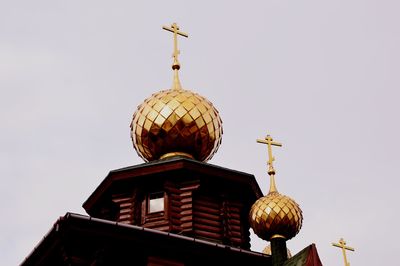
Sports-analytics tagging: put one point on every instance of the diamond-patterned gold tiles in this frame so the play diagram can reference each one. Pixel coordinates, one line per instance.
(275, 214)
(176, 121)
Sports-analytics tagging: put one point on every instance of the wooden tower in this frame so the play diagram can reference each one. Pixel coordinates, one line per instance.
(180, 196)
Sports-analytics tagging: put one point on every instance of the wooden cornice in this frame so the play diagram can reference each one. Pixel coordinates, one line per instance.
(142, 171)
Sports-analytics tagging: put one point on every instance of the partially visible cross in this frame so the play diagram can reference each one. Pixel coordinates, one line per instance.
(342, 245)
(175, 30)
(269, 141)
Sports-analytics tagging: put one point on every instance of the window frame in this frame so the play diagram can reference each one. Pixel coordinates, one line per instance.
(147, 216)
(149, 199)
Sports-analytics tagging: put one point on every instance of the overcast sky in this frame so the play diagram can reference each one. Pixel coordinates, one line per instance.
(322, 77)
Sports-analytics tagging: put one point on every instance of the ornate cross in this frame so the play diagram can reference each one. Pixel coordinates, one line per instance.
(269, 141)
(342, 245)
(175, 30)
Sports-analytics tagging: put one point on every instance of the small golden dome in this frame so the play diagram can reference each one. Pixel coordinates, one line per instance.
(275, 215)
(176, 122)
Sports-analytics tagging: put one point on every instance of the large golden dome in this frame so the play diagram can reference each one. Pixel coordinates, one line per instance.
(176, 122)
(275, 215)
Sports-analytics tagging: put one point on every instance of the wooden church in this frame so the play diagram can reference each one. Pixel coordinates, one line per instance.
(176, 209)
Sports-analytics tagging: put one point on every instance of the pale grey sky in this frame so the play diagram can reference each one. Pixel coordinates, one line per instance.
(321, 76)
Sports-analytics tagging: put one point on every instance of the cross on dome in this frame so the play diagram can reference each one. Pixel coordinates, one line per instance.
(175, 30)
(269, 141)
(271, 171)
(176, 84)
(342, 245)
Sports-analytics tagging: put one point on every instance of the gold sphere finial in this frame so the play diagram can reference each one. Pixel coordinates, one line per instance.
(176, 122)
(275, 215)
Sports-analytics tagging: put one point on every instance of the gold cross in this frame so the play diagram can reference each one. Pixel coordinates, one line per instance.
(269, 141)
(342, 245)
(175, 30)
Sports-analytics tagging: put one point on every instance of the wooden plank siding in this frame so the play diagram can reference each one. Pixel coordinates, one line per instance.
(180, 205)
(220, 220)
(236, 224)
(125, 202)
(189, 211)
(208, 221)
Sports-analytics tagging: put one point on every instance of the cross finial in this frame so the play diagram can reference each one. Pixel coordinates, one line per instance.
(176, 66)
(269, 141)
(271, 171)
(342, 245)
(175, 30)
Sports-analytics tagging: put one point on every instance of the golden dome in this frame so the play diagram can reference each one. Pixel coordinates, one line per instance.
(176, 122)
(275, 215)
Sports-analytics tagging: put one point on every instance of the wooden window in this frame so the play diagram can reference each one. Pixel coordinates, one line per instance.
(154, 208)
(155, 202)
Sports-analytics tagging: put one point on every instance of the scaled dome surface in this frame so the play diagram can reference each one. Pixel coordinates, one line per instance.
(275, 214)
(176, 122)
